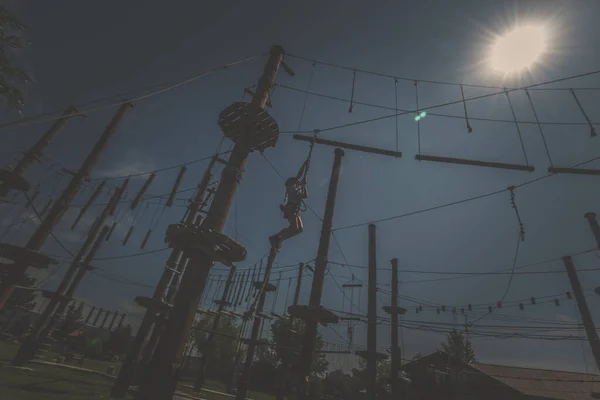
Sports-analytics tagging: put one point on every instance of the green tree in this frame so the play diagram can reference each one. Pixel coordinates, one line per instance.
(119, 341)
(458, 346)
(72, 321)
(288, 342)
(11, 77)
(223, 348)
(23, 298)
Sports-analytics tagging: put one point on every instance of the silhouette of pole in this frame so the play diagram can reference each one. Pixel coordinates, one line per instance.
(163, 372)
(286, 358)
(128, 369)
(310, 334)
(208, 346)
(35, 152)
(591, 217)
(37, 240)
(242, 389)
(584, 311)
(372, 317)
(396, 351)
(63, 294)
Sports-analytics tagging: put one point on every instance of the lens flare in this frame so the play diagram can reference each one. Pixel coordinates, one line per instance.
(519, 49)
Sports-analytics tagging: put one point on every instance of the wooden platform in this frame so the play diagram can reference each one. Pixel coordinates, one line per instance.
(475, 163)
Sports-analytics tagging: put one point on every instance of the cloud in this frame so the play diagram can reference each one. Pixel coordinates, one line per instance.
(124, 169)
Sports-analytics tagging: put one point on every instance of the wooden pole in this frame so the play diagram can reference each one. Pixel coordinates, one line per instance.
(208, 346)
(112, 322)
(310, 334)
(90, 315)
(160, 382)
(37, 240)
(591, 217)
(372, 317)
(396, 351)
(62, 295)
(242, 389)
(97, 316)
(286, 359)
(34, 153)
(584, 311)
(175, 262)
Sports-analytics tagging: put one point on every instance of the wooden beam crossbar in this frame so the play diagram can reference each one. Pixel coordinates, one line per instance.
(574, 171)
(349, 146)
(476, 163)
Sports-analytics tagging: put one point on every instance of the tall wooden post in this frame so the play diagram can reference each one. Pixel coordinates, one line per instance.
(396, 354)
(372, 317)
(174, 263)
(242, 389)
(104, 320)
(208, 346)
(87, 320)
(62, 295)
(591, 217)
(97, 316)
(37, 240)
(112, 322)
(161, 378)
(286, 362)
(584, 311)
(310, 334)
(34, 153)
(121, 321)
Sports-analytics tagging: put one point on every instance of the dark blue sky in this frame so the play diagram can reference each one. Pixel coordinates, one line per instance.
(82, 52)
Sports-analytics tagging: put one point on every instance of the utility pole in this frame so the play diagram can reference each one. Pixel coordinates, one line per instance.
(62, 296)
(372, 317)
(286, 362)
(396, 351)
(584, 311)
(242, 389)
(37, 240)
(312, 321)
(173, 267)
(591, 217)
(209, 344)
(34, 153)
(239, 122)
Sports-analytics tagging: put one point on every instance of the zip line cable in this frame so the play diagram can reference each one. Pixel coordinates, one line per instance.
(460, 101)
(420, 80)
(507, 121)
(45, 118)
(459, 201)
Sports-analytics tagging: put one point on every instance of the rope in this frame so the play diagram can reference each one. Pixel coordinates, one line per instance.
(352, 94)
(419, 121)
(449, 103)
(396, 108)
(507, 121)
(539, 127)
(592, 131)
(510, 279)
(514, 205)
(462, 92)
(421, 80)
(512, 110)
(33, 120)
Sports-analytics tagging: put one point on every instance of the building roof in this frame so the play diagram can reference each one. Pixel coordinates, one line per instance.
(561, 385)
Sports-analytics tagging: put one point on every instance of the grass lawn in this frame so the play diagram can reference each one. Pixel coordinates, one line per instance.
(52, 383)
(8, 350)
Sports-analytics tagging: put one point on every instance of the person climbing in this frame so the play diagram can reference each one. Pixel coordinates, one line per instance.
(295, 193)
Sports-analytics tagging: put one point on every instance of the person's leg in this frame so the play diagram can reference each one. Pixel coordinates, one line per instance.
(294, 228)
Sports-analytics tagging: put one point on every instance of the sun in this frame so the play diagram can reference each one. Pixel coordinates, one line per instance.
(518, 50)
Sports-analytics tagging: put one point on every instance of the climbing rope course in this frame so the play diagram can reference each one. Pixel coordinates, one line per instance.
(139, 208)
